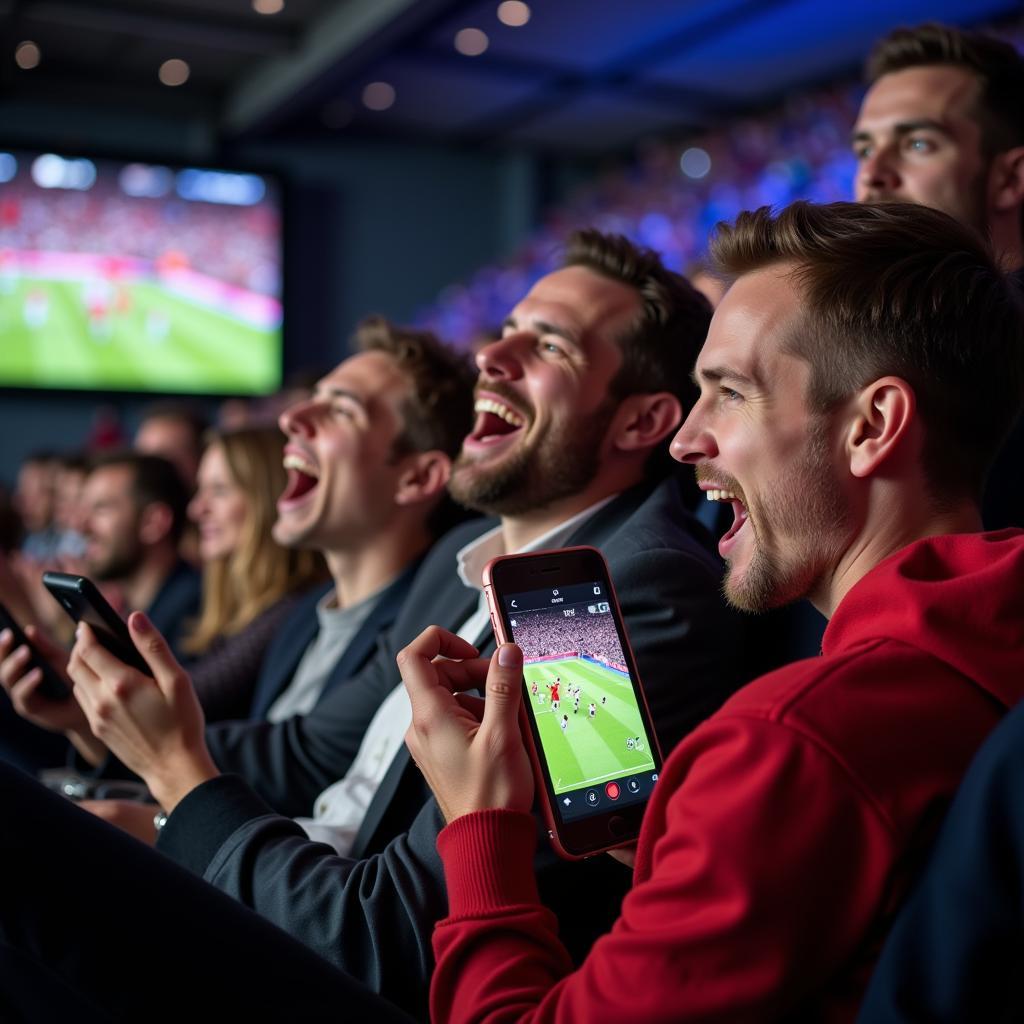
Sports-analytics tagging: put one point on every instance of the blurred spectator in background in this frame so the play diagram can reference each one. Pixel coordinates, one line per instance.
(250, 583)
(175, 431)
(34, 503)
(68, 515)
(10, 523)
(711, 287)
(134, 514)
(942, 125)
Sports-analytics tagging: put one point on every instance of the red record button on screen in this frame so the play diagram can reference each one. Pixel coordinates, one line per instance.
(612, 789)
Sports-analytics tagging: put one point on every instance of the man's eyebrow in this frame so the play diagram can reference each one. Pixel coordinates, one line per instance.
(904, 128)
(336, 392)
(543, 327)
(714, 374)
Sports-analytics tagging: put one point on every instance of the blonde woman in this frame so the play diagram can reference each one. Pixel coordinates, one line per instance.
(249, 581)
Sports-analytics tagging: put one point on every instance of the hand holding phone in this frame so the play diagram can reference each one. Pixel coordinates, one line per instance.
(591, 739)
(82, 600)
(152, 722)
(471, 753)
(51, 685)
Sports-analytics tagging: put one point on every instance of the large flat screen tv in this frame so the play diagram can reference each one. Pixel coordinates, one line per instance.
(118, 276)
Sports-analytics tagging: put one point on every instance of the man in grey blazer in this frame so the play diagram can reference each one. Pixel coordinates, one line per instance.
(574, 402)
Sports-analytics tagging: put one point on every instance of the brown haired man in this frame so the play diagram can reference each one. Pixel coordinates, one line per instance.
(942, 124)
(787, 828)
(587, 379)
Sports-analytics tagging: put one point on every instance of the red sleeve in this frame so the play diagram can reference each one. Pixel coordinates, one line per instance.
(761, 866)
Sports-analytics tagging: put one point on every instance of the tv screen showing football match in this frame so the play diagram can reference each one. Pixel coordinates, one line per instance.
(138, 277)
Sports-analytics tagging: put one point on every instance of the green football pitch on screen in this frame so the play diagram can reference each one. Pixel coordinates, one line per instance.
(146, 339)
(590, 748)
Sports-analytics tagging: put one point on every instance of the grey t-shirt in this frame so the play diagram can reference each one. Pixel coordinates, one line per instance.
(338, 627)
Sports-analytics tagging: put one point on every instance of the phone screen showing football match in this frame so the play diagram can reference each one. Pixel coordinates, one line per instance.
(582, 699)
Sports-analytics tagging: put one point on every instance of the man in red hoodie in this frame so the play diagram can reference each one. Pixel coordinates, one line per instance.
(857, 378)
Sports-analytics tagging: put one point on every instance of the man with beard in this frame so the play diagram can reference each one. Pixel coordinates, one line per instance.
(574, 404)
(134, 516)
(942, 124)
(856, 380)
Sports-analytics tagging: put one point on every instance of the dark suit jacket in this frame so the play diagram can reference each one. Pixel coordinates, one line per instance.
(372, 914)
(299, 630)
(176, 604)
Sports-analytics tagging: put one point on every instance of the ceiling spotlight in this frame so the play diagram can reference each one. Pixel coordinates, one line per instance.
(268, 6)
(471, 42)
(26, 55)
(695, 162)
(513, 13)
(378, 96)
(174, 72)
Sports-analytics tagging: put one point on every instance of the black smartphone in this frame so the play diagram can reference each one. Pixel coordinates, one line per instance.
(52, 685)
(587, 724)
(81, 599)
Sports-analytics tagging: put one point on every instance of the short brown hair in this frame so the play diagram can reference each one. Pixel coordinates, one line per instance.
(439, 413)
(899, 289)
(995, 63)
(661, 346)
(154, 480)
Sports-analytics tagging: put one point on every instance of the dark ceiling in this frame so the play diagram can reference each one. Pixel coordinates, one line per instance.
(580, 77)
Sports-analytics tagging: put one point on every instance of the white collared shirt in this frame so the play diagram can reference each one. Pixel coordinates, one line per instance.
(339, 810)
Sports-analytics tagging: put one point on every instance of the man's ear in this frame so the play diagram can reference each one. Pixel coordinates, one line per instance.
(1006, 180)
(643, 421)
(154, 522)
(422, 476)
(883, 416)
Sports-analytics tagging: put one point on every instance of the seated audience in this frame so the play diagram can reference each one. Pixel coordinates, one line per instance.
(857, 379)
(574, 404)
(360, 481)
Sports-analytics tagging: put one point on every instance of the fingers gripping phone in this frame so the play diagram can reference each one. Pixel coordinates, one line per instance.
(81, 599)
(52, 685)
(587, 724)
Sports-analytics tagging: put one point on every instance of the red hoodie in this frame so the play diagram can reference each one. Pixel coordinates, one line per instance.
(783, 832)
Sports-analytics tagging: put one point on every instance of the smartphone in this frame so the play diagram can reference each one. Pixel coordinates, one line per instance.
(585, 718)
(82, 600)
(52, 685)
